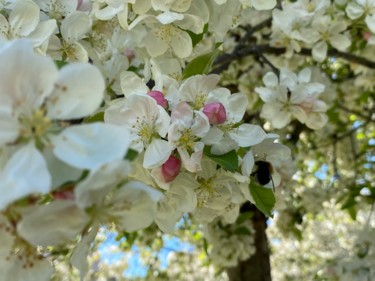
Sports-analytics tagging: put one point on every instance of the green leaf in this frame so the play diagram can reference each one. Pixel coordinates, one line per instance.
(244, 217)
(98, 117)
(242, 231)
(60, 63)
(228, 161)
(196, 38)
(200, 65)
(131, 155)
(263, 197)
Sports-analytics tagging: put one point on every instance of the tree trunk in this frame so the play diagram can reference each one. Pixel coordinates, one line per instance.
(257, 267)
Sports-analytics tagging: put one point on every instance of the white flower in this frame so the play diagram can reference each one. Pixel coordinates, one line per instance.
(291, 96)
(232, 134)
(357, 8)
(186, 129)
(147, 122)
(24, 21)
(73, 28)
(326, 31)
(19, 260)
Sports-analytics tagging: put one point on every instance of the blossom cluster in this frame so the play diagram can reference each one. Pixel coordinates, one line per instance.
(102, 124)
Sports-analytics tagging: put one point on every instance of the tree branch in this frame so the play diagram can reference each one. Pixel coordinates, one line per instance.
(243, 51)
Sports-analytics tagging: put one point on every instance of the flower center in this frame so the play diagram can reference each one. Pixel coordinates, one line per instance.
(34, 126)
(146, 131)
(204, 191)
(187, 140)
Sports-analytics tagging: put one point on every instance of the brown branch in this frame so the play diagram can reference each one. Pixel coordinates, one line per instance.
(223, 61)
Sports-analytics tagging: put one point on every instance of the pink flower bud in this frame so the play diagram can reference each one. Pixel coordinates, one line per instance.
(171, 168)
(216, 113)
(159, 97)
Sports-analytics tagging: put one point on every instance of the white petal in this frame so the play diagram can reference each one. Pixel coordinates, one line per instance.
(25, 173)
(270, 80)
(236, 107)
(213, 136)
(370, 21)
(61, 172)
(342, 42)
(319, 51)
(247, 164)
(82, 250)
(9, 128)
(140, 203)
(248, 135)
(263, 4)
(26, 78)
(181, 43)
(52, 224)
(131, 83)
(304, 75)
(78, 92)
(169, 17)
(75, 26)
(42, 32)
(354, 11)
(157, 153)
(23, 18)
(89, 146)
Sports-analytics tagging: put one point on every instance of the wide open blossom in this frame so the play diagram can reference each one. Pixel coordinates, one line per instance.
(24, 21)
(34, 97)
(292, 96)
(147, 122)
(185, 132)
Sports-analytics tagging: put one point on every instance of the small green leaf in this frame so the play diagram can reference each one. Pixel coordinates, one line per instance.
(60, 63)
(98, 117)
(242, 231)
(131, 155)
(263, 197)
(244, 217)
(228, 161)
(200, 65)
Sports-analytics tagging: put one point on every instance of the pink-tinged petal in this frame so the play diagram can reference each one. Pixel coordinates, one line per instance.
(183, 113)
(201, 126)
(78, 92)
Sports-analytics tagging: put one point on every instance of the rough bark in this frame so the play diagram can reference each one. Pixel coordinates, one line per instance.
(257, 267)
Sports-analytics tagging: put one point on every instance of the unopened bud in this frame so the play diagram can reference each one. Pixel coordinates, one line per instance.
(159, 97)
(215, 112)
(171, 168)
